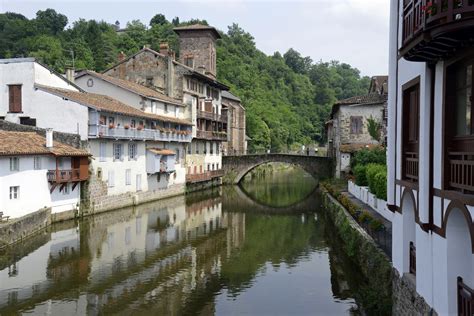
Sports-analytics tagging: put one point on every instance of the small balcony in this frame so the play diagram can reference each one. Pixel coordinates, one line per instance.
(212, 116)
(434, 29)
(410, 166)
(118, 132)
(205, 176)
(461, 171)
(211, 135)
(64, 176)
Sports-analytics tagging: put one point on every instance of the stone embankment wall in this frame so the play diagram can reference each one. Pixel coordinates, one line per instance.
(360, 247)
(20, 228)
(406, 301)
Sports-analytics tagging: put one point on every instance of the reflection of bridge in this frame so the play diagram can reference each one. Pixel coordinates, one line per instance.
(235, 199)
(236, 167)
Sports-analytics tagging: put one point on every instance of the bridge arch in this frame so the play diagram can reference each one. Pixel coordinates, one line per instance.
(236, 167)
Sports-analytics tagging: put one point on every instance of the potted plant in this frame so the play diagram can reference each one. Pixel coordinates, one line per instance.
(111, 125)
(139, 127)
(126, 126)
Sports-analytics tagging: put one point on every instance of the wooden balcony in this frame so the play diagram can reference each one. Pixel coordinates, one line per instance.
(465, 299)
(461, 171)
(211, 135)
(62, 176)
(434, 29)
(212, 116)
(205, 176)
(410, 166)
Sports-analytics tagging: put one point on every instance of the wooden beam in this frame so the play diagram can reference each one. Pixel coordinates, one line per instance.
(74, 186)
(53, 186)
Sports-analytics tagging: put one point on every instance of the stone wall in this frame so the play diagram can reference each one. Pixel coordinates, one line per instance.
(20, 228)
(199, 186)
(406, 301)
(344, 122)
(201, 46)
(65, 138)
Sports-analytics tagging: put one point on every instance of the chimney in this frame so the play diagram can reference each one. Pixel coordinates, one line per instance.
(49, 138)
(121, 56)
(70, 73)
(164, 48)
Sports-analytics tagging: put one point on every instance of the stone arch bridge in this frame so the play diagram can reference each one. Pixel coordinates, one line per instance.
(236, 167)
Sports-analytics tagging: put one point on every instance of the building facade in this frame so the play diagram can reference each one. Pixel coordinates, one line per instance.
(348, 127)
(236, 143)
(37, 172)
(192, 81)
(431, 151)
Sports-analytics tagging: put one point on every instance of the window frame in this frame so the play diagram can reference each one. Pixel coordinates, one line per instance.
(359, 126)
(37, 163)
(132, 151)
(14, 192)
(15, 103)
(120, 147)
(14, 163)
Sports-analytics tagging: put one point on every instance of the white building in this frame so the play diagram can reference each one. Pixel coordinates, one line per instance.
(116, 132)
(36, 172)
(431, 150)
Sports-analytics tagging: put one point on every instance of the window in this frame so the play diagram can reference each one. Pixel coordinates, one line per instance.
(118, 152)
(14, 193)
(133, 124)
(102, 151)
(205, 148)
(208, 91)
(201, 88)
(218, 149)
(189, 61)
(149, 81)
(139, 182)
(158, 177)
(14, 98)
(189, 149)
(177, 155)
(212, 149)
(410, 132)
(37, 163)
(66, 189)
(111, 120)
(14, 164)
(111, 179)
(128, 177)
(166, 108)
(356, 124)
(208, 167)
(103, 120)
(132, 151)
(197, 148)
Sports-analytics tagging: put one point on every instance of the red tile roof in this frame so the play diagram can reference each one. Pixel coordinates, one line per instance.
(134, 87)
(107, 104)
(197, 27)
(368, 99)
(29, 143)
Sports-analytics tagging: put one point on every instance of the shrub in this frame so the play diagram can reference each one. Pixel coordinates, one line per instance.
(360, 175)
(376, 225)
(365, 217)
(365, 156)
(381, 185)
(371, 171)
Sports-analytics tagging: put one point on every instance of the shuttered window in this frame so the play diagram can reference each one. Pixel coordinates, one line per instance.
(14, 98)
(356, 124)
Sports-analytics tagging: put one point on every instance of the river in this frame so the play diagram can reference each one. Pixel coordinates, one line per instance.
(263, 248)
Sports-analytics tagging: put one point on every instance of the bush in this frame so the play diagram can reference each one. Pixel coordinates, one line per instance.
(365, 217)
(376, 225)
(381, 185)
(371, 171)
(365, 156)
(360, 175)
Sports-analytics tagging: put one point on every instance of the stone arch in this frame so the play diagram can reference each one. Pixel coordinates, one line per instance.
(409, 213)
(457, 229)
(244, 172)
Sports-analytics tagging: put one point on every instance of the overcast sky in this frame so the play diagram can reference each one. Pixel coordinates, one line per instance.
(352, 31)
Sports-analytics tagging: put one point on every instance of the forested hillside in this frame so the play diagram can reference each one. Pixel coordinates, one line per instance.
(287, 97)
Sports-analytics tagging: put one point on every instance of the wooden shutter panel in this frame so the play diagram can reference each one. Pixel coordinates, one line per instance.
(14, 92)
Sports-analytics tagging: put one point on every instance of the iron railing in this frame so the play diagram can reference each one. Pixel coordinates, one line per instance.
(102, 131)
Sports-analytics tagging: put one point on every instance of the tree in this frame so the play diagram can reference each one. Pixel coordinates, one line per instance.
(159, 19)
(48, 49)
(50, 22)
(294, 60)
(374, 128)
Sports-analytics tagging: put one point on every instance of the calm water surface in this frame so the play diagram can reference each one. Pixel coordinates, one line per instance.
(264, 249)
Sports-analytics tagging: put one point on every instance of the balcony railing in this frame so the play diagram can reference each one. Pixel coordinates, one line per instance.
(212, 116)
(465, 299)
(461, 171)
(62, 176)
(431, 15)
(412, 258)
(137, 134)
(411, 166)
(205, 176)
(210, 135)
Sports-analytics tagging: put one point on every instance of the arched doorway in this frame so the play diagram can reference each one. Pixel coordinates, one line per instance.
(408, 207)
(458, 252)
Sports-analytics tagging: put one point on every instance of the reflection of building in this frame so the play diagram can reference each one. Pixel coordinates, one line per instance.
(348, 127)
(431, 153)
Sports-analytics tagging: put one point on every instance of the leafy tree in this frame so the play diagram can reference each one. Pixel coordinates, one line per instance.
(374, 128)
(159, 19)
(50, 22)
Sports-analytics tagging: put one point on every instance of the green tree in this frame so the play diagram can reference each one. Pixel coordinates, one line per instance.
(159, 19)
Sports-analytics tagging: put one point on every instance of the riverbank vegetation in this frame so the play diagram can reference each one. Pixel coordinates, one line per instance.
(370, 169)
(287, 96)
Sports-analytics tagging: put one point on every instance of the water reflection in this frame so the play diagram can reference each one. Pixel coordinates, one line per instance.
(215, 252)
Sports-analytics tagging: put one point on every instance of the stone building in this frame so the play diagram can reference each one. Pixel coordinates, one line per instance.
(430, 156)
(236, 143)
(347, 128)
(192, 81)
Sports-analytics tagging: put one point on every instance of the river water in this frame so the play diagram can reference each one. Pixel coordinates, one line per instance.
(263, 248)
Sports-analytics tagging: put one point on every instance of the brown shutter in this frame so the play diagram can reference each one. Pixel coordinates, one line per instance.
(14, 92)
